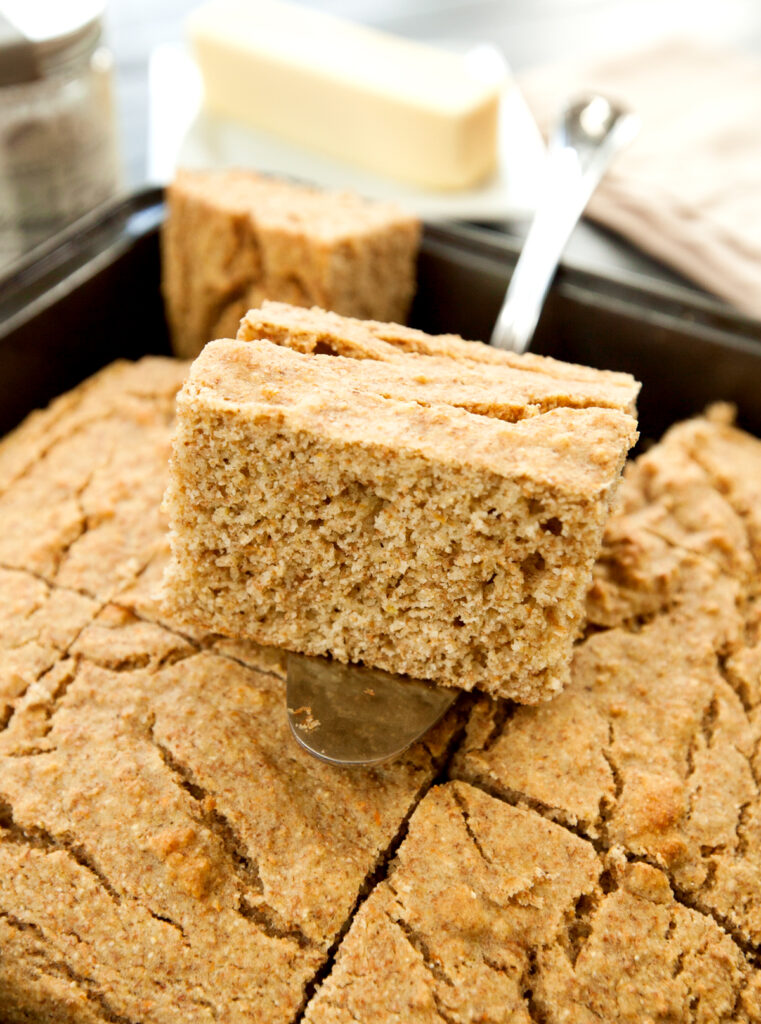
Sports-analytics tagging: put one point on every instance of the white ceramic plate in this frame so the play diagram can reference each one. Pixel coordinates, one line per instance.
(182, 133)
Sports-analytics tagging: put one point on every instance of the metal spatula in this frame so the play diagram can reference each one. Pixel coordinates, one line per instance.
(588, 134)
(351, 715)
(348, 715)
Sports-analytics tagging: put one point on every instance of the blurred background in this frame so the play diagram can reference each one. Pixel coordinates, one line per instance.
(684, 204)
(529, 32)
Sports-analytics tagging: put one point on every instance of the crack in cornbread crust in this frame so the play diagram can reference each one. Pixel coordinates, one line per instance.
(426, 539)
(81, 482)
(655, 744)
(38, 624)
(525, 921)
(232, 239)
(167, 824)
(519, 386)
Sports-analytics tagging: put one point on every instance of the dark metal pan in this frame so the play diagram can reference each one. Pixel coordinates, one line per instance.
(93, 296)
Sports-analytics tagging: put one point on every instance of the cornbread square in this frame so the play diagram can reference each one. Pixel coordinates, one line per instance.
(492, 913)
(397, 513)
(234, 238)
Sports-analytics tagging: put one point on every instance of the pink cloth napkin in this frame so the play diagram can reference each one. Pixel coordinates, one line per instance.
(688, 190)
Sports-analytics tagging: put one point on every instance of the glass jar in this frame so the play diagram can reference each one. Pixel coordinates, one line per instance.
(58, 153)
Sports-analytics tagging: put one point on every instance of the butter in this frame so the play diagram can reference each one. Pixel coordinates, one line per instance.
(391, 106)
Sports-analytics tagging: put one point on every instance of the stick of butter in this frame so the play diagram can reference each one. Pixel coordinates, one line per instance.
(392, 106)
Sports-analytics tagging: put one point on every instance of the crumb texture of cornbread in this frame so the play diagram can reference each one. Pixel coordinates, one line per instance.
(167, 854)
(418, 514)
(234, 238)
(492, 907)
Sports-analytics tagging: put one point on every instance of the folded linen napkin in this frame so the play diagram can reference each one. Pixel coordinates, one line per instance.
(688, 190)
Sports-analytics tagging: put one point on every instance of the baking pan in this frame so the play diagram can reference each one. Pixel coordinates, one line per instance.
(92, 295)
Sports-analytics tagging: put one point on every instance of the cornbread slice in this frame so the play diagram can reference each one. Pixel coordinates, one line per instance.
(491, 913)
(381, 512)
(234, 238)
(654, 746)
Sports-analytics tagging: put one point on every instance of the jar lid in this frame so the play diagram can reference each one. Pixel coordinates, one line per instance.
(42, 38)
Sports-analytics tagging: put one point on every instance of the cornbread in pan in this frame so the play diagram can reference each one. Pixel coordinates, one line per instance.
(167, 854)
(81, 482)
(420, 515)
(654, 746)
(234, 238)
(491, 913)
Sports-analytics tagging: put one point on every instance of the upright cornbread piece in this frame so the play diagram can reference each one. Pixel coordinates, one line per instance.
(234, 238)
(491, 913)
(393, 106)
(385, 512)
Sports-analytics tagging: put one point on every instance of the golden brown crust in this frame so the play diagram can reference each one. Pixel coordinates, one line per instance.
(654, 745)
(492, 910)
(315, 330)
(84, 479)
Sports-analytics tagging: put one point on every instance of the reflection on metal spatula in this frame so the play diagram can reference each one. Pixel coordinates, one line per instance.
(350, 715)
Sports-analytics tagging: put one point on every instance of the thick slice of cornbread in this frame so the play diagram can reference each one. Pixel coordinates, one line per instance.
(384, 512)
(234, 238)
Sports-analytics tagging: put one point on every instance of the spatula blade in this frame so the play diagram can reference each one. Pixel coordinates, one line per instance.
(350, 715)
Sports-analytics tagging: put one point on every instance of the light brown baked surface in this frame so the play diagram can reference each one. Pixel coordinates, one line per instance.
(385, 512)
(233, 238)
(321, 331)
(491, 913)
(167, 854)
(654, 745)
